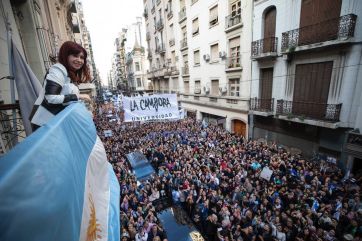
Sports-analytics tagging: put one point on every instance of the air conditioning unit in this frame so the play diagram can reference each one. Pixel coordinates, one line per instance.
(223, 90)
(206, 57)
(206, 89)
(222, 54)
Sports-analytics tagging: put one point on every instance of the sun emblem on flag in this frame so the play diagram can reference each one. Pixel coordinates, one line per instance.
(94, 230)
(196, 236)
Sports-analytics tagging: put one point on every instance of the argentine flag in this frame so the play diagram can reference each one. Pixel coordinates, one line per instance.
(58, 185)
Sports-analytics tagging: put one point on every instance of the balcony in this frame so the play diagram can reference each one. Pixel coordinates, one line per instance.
(150, 74)
(309, 110)
(169, 14)
(171, 42)
(153, 9)
(331, 32)
(183, 44)
(174, 71)
(182, 15)
(233, 64)
(233, 22)
(185, 71)
(262, 105)
(145, 13)
(193, 1)
(159, 24)
(264, 48)
(160, 49)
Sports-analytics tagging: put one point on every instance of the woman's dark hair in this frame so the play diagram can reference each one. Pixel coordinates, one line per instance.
(71, 48)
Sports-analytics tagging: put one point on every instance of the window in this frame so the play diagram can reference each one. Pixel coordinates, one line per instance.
(213, 16)
(197, 57)
(186, 86)
(215, 87)
(234, 60)
(137, 64)
(139, 83)
(197, 87)
(173, 58)
(195, 26)
(236, 8)
(184, 32)
(234, 87)
(214, 50)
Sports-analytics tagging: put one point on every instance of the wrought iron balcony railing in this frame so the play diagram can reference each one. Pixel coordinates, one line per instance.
(160, 49)
(169, 14)
(262, 105)
(233, 62)
(262, 46)
(332, 29)
(232, 20)
(318, 111)
(171, 42)
(183, 43)
(182, 14)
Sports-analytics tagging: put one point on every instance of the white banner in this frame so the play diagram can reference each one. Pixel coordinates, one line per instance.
(266, 173)
(154, 107)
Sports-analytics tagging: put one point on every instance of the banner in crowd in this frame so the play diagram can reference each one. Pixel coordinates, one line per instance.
(266, 173)
(58, 185)
(147, 108)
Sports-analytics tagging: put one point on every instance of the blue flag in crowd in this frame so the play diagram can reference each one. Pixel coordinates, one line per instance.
(58, 185)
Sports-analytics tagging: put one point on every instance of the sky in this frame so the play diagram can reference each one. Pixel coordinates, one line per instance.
(104, 20)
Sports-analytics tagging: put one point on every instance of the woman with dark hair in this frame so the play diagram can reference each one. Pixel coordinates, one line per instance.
(60, 86)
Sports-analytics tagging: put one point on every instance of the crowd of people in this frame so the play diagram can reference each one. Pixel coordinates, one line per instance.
(215, 177)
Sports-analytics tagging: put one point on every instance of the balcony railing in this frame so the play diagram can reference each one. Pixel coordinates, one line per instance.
(263, 46)
(182, 14)
(233, 62)
(160, 49)
(174, 70)
(183, 43)
(262, 105)
(171, 42)
(193, 1)
(232, 20)
(318, 111)
(153, 9)
(185, 70)
(332, 29)
(159, 24)
(169, 14)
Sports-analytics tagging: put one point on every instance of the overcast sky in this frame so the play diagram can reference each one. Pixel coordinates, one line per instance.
(104, 20)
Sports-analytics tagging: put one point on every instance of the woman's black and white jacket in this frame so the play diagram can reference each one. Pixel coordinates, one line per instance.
(56, 94)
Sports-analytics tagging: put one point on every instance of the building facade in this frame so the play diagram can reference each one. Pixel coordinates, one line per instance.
(136, 67)
(306, 74)
(197, 49)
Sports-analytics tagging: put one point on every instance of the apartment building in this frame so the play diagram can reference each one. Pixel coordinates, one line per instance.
(117, 78)
(306, 75)
(136, 66)
(197, 49)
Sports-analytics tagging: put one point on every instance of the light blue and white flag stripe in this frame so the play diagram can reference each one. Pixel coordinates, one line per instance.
(58, 185)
